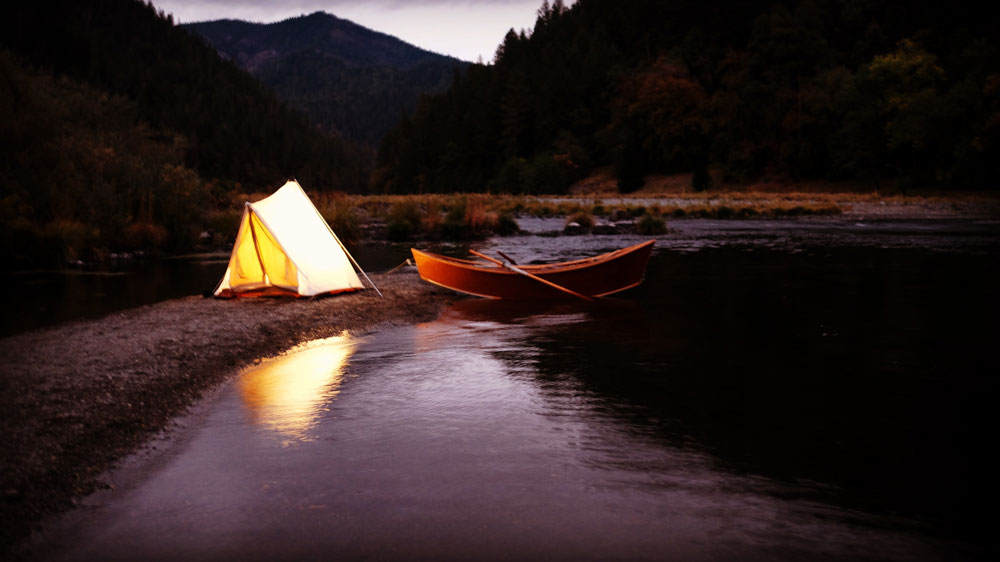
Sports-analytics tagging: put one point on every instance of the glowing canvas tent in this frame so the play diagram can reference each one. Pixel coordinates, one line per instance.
(284, 246)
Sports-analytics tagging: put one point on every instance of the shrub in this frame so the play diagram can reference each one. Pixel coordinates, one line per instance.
(511, 176)
(344, 222)
(225, 223)
(477, 219)
(453, 227)
(72, 238)
(506, 225)
(544, 174)
(586, 220)
(651, 224)
(403, 221)
(340, 212)
(142, 235)
(432, 220)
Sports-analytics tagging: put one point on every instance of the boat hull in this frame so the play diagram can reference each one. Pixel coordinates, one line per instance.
(595, 277)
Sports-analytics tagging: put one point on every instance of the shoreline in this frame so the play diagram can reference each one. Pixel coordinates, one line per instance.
(726, 204)
(78, 398)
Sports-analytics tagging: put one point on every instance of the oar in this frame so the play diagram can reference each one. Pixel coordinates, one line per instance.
(535, 277)
(506, 257)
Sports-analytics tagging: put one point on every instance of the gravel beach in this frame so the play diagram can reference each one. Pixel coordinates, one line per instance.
(77, 397)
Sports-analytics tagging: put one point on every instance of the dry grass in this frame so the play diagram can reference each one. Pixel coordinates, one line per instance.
(464, 215)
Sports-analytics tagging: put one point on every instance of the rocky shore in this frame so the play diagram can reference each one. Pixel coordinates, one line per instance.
(77, 397)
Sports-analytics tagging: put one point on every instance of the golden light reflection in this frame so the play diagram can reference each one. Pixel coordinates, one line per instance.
(288, 393)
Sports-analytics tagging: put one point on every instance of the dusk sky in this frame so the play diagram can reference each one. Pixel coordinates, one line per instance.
(466, 29)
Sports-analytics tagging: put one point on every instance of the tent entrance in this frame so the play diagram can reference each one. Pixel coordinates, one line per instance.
(277, 268)
(258, 261)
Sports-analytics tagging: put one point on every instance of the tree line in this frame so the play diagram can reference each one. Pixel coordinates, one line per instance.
(121, 129)
(868, 90)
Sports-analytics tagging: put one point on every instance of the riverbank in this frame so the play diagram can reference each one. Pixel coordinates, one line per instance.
(77, 397)
(476, 216)
(468, 216)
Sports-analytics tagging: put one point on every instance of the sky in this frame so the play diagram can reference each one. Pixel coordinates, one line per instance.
(466, 29)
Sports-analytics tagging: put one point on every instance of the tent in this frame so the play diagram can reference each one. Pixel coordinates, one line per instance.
(285, 247)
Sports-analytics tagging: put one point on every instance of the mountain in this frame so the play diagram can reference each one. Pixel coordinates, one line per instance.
(347, 78)
(864, 90)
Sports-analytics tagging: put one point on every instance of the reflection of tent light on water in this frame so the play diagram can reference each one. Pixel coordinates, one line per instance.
(287, 394)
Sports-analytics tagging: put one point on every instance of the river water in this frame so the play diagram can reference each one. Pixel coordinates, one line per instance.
(35, 299)
(813, 392)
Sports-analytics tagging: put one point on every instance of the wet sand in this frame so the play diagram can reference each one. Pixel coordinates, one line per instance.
(78, 397)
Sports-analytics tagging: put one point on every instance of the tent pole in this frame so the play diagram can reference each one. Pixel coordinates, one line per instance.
(256, 245)
(344, 248)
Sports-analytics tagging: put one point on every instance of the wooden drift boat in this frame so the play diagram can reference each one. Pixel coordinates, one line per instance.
(587, 278)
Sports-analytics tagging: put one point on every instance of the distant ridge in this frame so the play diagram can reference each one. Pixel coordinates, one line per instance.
(347, 78)
(320, 32)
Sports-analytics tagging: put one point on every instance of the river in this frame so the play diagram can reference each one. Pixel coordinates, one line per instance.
(791, 391)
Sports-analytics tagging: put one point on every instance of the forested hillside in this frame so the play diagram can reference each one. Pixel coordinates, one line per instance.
(236, 130)
(869, 90)
(119, 130)
(348, 79)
